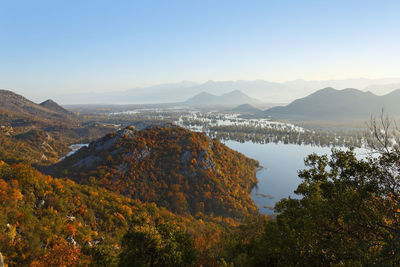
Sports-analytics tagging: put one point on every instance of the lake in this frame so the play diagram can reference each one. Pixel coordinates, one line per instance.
(278, 179)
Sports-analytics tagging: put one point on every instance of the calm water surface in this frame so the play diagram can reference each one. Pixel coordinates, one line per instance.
(278, 178)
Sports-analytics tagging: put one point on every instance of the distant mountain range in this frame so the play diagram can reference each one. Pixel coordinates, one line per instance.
(332, 104)
(231, 99)
(268, 92)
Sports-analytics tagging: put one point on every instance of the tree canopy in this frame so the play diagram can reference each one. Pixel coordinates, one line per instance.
(347, 214)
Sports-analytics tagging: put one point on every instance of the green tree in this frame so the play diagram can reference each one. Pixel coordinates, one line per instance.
(156, 244)
(346, 216)
(103, 255)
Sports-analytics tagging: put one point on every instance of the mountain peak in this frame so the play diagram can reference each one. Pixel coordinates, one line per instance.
(335, 92)
(332, 104)
(10, 95)
(17, 105)
(53, 106)
(5, 91)
(329, 89)
(48, 102)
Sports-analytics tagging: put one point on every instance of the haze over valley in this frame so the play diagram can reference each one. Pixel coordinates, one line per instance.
(199, 133)
(264, 91)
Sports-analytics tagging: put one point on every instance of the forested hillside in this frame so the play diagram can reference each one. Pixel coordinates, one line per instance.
(46, 221)
(166, 196)
(184, 171)
(40, 133)
(348, 214)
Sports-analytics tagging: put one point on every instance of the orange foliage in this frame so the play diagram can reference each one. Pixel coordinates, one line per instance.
(61, 254)
(174, 168)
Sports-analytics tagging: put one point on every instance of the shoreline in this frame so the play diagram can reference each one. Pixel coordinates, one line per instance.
(259, 168)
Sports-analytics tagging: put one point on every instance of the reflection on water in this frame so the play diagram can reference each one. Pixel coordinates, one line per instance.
(278, 178)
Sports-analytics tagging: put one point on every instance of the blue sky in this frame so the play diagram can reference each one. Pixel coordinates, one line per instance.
(50, 47)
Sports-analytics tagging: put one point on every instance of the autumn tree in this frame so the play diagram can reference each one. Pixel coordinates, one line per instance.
(60, 254)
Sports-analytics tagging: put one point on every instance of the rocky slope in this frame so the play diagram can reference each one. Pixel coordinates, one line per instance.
(184, 171)
(40, 133)
(51, 105)
(15, 105)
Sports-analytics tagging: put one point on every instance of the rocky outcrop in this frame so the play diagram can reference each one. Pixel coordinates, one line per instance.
(181, 170)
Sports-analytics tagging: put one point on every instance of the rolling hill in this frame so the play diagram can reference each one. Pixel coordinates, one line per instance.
(18, 106)
(40, 133)
(332, 104)
(183, 171)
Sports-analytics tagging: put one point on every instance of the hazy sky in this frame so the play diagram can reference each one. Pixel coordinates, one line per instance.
(49, 47)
